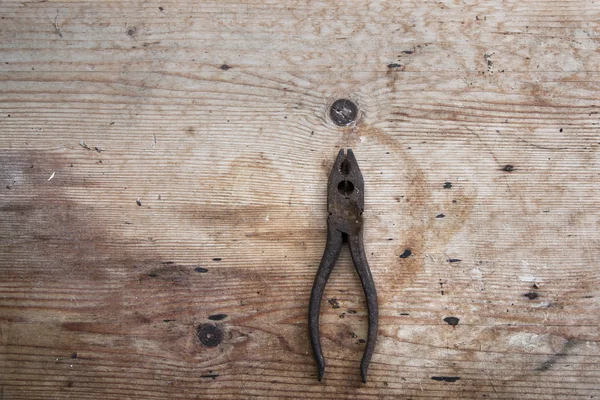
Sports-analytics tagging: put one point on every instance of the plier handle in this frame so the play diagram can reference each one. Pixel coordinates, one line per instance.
(345, 205)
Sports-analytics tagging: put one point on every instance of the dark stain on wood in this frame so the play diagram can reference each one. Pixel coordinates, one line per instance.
(209, 335)
(334, 303)
(172, 274)
(549, 363)
(452, 321)
(445, 378)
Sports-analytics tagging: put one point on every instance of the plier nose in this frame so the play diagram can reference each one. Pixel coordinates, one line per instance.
(345, 205)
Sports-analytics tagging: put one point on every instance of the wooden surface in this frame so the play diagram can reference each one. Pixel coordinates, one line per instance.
(189, 145)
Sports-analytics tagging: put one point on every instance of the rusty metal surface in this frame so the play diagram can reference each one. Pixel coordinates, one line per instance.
(345, 206)
(343, 112)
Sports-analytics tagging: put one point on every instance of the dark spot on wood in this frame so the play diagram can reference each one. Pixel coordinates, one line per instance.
(404, 313)
(531, 295)
(138, 202)
(440, 216)
(213, 376)
(508, 168)
(452, 321)
(394, 65)
(351, 311)
(353, 335)
(131, 31)
(334, 303)
(362, 341)
(161, 9)
(406, 253)
(209, 335)
(408, 52)
(217, 317)
(225, 67)
(445, 378)
(168, 320)
(535, 286)
(454, 260)
(200, 270)
(74, 354)
(447, 185)
(144, 319)
(153, 275)
(561, 129)
(69, 384)
(343, 315)
(168, 262)
(549, 363)
(217, 259)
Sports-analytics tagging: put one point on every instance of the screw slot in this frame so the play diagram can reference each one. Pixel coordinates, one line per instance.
(343, 112)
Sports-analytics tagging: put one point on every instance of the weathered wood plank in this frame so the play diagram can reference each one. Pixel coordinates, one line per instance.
(214, 117)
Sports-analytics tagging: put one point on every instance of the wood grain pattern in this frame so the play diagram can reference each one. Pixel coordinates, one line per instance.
(189, 146)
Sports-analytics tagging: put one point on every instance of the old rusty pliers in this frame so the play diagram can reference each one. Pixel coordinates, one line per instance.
(345, 205)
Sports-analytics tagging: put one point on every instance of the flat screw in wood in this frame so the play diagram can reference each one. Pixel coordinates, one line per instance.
(343, 112)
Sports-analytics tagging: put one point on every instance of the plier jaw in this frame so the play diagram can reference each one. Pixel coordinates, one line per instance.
(345, 205)
(345, 194)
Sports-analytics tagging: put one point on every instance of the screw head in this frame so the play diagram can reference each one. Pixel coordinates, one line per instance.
(343, 112)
